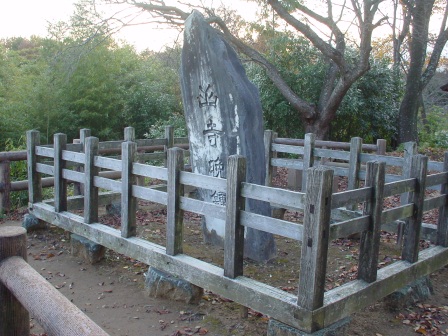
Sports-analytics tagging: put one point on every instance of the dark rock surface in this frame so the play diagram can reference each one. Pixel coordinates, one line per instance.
(224, 117)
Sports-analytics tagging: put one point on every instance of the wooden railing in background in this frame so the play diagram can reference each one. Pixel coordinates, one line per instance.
(147, 149)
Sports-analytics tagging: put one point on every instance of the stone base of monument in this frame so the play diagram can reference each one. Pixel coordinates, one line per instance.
(163, 285)
(31, 223)
(276, 328)
(418, 291)
(86, 249)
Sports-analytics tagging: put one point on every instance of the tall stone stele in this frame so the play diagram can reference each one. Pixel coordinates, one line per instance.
(224, 117)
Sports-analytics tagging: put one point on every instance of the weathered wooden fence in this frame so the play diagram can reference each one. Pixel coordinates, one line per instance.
(24, 291)
(312, 308)
(147, 149)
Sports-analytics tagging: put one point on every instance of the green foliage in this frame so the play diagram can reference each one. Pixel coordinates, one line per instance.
(58, 86)
(370, 109)
(435, 134)
(295, 58)
(157, 130)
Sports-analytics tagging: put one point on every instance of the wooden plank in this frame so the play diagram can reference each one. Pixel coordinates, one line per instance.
(174, 217)
(159, 173)
(203, 208)
(281, 197)
(339, 171)
(437, 166)
(442, 223)
(107, 163)
(151, 156)
(106, 183)
(437, 179)
(316, 222)
(400, 212)
(74, 147)
(45, 169)
(268, 155)
(272, 225)
(34, 178)
(235, 203)
(128, 202)
(332, 154)
(181, 140)
(370, 238)
(203, 181)
(60, 184)
(269, 300)
(398, 187)
(45, 151)
(115, 144)
(349, 226)
(355, 295)
(354, 168)
(90, 189)
(73, 156)
(151, 142)
(287, 163)
(288, 149)
(434, 202)
(150, 194)
(358, 195)
(72, 175)
(417, 197)
(389, 160)
(308, 157)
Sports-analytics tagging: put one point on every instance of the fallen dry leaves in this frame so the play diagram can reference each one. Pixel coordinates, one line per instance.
(427, 319)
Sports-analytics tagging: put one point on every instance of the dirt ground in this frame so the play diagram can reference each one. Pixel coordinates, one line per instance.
(112, 291)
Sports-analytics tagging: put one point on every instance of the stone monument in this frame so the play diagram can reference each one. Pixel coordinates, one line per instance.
(224, 117)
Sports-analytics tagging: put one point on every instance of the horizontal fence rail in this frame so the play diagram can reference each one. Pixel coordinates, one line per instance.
(28, 292)
(311, 308)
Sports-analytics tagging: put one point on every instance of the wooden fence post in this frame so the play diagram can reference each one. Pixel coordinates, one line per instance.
(129, 134)
(410, 149)
(128, 202)
(174, 217)
(442, 224)
(90, 171)
(354, 167)
(34, 178)
(169, 136)
(316, 222)
(417, 197)
(370, 239)
(14, 318)
(268, 137)
(60, 184)
(5, 187)
(274, 156)
(381, 146)
(78, 188)
(234, 231)
(308, 157)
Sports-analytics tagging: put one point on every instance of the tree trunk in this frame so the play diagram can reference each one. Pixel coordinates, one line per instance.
(408, 113)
